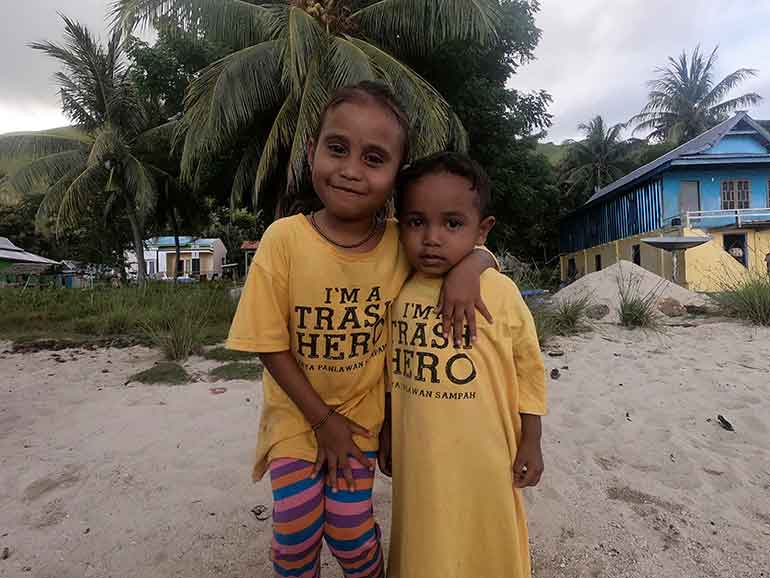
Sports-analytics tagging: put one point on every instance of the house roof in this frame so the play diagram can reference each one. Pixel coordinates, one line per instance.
(10, 252)
(691, 149)
(183, 241)
(250, 245)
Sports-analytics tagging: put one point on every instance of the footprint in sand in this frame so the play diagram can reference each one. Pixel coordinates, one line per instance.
(69, 476)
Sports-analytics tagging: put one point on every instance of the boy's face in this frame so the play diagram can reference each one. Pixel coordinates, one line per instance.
(440, 222)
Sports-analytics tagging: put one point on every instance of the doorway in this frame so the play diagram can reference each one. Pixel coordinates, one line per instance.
(689, 196)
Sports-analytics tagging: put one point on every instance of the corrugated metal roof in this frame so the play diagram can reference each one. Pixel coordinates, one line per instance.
(695, 146)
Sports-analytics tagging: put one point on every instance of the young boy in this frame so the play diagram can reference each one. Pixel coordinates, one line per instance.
(465, 422)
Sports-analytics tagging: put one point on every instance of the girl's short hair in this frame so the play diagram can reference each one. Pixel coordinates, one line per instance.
(369, 90)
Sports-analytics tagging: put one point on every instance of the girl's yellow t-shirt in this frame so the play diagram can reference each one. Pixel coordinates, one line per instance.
(456, 426)
(329, 308)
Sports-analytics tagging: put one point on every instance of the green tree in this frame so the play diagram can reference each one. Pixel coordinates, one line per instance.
(114, 156)
(684, 101)
(291, 55)
(503, 125)
(163, 71)
(594, 162)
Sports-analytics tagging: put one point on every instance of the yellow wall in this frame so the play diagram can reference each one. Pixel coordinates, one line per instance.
(704, 268)
(655, 260)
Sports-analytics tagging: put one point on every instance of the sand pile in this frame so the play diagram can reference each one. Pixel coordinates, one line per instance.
(603, 288)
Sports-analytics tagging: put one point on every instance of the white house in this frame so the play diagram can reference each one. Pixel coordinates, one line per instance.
(197, 258)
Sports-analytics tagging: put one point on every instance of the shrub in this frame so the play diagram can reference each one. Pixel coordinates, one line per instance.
(222, 354)
(637, 309)
(563, 318)
(746, 298)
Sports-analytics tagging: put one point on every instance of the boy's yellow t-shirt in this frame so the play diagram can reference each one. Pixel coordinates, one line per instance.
(329, 307)
(456, 425)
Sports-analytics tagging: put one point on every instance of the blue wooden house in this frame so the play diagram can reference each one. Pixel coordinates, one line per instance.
(716, 185)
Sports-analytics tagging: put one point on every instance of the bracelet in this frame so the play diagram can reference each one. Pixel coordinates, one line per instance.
(325, 418)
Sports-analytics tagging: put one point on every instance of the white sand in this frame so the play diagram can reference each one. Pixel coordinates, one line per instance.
(100, 479)
(603, 287)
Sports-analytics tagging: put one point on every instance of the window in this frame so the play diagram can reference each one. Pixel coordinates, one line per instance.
(736, 195)
(151, 268)
(636, 252)
(598, 262)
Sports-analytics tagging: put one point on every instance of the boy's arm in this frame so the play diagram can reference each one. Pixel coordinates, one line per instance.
(530, 373)
(528, 466)
(461, 295)
(334, 432)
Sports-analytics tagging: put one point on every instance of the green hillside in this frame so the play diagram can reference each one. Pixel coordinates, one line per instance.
(8, 166)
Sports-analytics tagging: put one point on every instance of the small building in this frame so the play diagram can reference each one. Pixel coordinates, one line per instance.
(198, 258)
(249, 249)
(717, 185)
(16, 264)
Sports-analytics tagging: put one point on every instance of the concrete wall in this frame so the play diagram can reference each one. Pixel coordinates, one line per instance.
(706, 268)
(654, 260)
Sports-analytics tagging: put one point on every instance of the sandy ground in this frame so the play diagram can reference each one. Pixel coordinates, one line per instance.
(103, 479)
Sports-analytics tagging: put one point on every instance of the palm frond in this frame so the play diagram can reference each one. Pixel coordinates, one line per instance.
(47, 170)
(49, 206)
(729, 106)
(419, 26)
(38, 144)
(228, 95)
(158, 140)
(108, 145)
(237, 21)
(140, 185)
(348, 64)
(303, 37)
(726, 85)
(280, 136)
(246, 174)
(76, 197)
(430, 113)
(314, 97)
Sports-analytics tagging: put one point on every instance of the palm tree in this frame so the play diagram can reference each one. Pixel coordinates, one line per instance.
(684, 101)
(112, 154)
(597, 160)
(291, 54)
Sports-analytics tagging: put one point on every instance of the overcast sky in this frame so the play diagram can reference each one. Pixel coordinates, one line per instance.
(594, 56)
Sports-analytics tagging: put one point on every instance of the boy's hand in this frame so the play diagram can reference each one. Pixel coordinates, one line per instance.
(336, 447)
(528, 466)
(461, 296)
(385, 455)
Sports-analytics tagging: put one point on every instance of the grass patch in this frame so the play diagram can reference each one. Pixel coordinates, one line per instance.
(237, 370)
(186, 316)
(563, 318)
(746, 298)
(167, 373)
(637, 309)
(222, 354)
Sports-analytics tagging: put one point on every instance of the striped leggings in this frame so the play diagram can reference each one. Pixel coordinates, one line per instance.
(305, 511)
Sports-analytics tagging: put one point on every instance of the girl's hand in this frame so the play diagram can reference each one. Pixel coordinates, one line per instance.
(461, 296)
(528, 467)
(336, 447)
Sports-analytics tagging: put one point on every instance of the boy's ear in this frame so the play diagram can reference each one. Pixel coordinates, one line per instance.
(484, 228)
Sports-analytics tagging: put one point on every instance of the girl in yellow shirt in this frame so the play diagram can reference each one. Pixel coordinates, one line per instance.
(315, 308)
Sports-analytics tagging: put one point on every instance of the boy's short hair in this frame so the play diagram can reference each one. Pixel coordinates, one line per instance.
(447, 162)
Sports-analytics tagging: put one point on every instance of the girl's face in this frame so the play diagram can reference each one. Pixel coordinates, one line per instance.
(356, 158)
